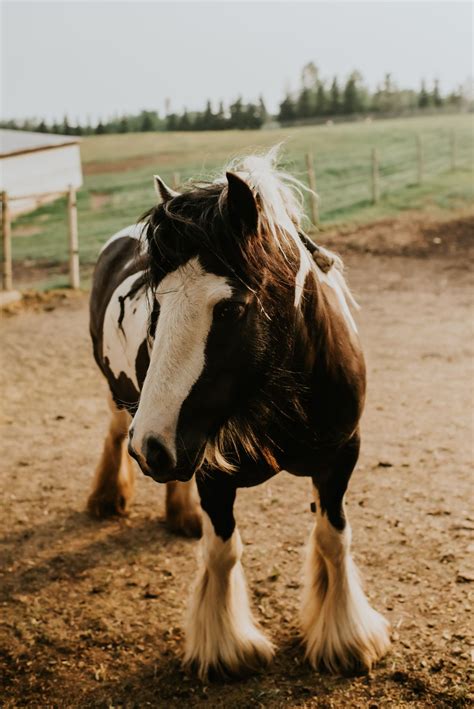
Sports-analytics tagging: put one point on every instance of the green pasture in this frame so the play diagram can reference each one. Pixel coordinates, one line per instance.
(118, 173)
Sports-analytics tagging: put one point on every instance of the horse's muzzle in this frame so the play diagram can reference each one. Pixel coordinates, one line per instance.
(158, 462)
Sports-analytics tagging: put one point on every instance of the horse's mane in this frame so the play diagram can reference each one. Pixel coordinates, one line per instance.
(199, 212)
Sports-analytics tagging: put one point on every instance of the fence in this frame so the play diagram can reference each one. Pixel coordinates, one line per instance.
(375, 172)
(350, 167)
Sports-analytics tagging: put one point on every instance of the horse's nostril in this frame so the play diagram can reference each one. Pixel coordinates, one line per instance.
(157, 455)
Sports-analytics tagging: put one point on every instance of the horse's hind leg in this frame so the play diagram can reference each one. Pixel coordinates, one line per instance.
(343, 633)
(115, 474)
(183, 514)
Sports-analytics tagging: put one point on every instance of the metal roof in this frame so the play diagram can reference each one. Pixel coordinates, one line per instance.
(18, 142)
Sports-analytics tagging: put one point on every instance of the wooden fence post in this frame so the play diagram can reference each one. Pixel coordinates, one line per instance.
(453, 151)
(419, 160)
(176, 180)
(74, 275)
(312, 185)
(6, 244)
(375, 177)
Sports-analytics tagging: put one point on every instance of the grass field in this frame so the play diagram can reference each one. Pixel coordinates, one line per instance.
(118, 173)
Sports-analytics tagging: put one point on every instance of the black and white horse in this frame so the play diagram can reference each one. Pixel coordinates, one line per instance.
(237, 357)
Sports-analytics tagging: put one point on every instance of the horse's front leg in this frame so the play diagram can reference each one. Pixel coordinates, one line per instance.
(342, 632)
(222, 637)
(183, 515)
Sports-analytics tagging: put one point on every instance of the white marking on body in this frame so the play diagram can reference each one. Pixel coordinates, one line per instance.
(220, 631)
(341, 630)
(187, 298)
(121, 344)
(134, 231)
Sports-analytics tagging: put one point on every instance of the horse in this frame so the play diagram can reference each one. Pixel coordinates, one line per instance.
(228, 342)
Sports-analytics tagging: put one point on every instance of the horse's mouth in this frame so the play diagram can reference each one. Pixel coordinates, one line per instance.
(168, 476)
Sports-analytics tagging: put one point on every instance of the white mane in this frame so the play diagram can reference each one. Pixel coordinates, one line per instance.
(281, 205)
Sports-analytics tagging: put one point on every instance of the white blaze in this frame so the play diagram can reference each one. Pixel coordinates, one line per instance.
(187, 298)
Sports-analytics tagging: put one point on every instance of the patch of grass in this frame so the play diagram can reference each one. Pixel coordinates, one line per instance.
(120, 167)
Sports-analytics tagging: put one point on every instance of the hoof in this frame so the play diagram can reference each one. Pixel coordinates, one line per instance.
(351, 655)
(101, 507)
(185, 523)
(245, 663)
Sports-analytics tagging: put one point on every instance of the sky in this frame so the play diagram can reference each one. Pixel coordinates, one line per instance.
(97, 59)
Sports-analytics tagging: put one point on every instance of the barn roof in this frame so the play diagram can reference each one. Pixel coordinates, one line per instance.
(18, 142)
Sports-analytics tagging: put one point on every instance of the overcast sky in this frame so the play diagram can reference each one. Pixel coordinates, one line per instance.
(100, 58)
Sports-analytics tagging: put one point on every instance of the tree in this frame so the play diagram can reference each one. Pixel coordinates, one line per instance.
(184, 122)
(220, 120)
(321, 100)
(287, 110)
(423, 96)
(304, 105)
(262, 110)
(208, 118)
(124, 126)
(335, 98)
(172, 122)
(351, 102)
(66, 128)
(251, 117)
(236, 114)
(436, 96)
(100, 129)
(309, 76)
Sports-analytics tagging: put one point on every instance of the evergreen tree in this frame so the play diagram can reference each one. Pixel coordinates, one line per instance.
(184, 122)
(287, 110)
(334, 98)
(172, 122)
(66, 128)
(262, 110)
(349, 101)
(436, 96)
(100, 129)
(42, 127)
(208, 118)
(251, 118)
(124, 126)
(423, 96)
(321, 100)
(236, 114)
(146, 121)
(304, 105)
(220, 120)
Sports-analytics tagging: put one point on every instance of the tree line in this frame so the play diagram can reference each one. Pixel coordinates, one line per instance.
(315, 99)
(318, 97)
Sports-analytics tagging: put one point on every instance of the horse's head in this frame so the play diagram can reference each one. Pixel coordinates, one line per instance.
(226, 270)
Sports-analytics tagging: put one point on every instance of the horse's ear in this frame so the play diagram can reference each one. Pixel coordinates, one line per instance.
(241, 204)
(164, 192)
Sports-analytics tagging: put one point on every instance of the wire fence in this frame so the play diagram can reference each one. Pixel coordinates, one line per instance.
(374, 173)
(349, 171)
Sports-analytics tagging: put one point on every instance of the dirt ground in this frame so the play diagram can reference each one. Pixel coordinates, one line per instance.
(92, 613)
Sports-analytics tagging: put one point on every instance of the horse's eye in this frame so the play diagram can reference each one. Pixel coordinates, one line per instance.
(229, 310)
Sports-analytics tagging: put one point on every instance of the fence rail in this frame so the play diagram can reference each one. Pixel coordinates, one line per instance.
(380, 171)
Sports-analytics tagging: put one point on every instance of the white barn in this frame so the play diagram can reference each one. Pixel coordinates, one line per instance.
(36, 168)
